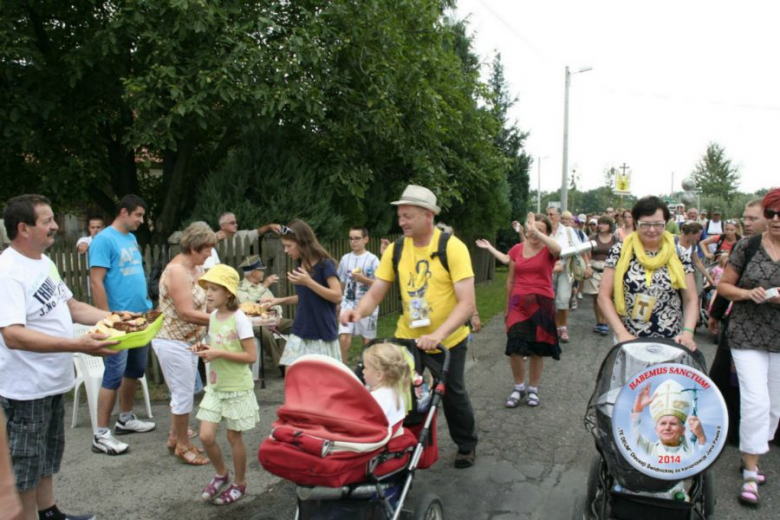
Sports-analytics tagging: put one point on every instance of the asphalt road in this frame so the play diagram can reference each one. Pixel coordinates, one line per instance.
(532, 463)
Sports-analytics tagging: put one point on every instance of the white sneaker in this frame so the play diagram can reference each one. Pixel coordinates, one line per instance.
(107, 443)
(579, 296)
(134, 425)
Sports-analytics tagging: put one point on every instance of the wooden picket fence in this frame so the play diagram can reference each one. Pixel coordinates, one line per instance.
(75, 271)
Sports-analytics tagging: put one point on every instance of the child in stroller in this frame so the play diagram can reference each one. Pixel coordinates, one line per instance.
(680, 486)
(334, 441)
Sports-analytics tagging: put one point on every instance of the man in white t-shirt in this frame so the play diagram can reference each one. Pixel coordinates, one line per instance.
(357, 271)
(37, 312)
(562, 276)
(94, 226)
(713, 227)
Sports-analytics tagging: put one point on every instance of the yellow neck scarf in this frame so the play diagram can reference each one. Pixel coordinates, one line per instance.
(667, 256)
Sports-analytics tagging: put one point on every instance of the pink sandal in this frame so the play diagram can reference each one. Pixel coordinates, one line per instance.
(748, 493)
(232, 494)
(214, 487)
(563, 336)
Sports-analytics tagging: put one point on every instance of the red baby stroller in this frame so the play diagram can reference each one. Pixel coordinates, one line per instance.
(333, 440)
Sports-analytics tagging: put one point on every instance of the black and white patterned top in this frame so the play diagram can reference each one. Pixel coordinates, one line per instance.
(665, 319)
(752, 326)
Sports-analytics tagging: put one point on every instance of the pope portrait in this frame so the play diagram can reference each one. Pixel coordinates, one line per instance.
(670, 408)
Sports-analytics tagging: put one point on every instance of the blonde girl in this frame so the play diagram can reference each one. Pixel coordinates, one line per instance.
(230, 397)
(388, 375)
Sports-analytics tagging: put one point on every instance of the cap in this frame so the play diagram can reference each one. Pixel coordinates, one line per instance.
(420, 196)
(593, 221)
(716, 211)
(222, 275)
(251, 263)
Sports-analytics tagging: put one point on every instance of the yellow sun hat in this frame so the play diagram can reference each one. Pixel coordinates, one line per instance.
(222, 275)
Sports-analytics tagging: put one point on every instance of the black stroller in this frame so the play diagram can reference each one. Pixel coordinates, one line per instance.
(617, 487)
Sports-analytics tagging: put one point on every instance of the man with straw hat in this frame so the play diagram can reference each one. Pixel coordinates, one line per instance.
(254, 288)
(437, 283)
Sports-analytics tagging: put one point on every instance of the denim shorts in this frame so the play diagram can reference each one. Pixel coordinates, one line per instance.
(36, 438)
(129, 363)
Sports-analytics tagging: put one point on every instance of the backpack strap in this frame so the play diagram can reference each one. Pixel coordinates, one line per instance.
(398, 250)
(441, 252)
(754, 244)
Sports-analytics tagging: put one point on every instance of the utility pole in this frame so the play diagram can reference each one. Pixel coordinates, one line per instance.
(565, 176)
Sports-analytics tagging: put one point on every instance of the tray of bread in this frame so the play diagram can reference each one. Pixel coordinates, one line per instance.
(260, 314)
(130, 329)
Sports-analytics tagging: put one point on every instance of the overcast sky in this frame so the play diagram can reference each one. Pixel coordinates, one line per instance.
(668, 78)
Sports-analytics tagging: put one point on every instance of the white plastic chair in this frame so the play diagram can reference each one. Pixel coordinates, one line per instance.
(89, 372)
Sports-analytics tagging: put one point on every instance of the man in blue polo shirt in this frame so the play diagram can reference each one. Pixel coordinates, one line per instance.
(119, 284)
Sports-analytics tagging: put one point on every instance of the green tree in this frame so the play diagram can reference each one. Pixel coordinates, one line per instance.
(379, 95)
(715, 175)
(509, 140)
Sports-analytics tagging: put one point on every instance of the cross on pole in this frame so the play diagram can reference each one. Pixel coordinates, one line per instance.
(624, 168)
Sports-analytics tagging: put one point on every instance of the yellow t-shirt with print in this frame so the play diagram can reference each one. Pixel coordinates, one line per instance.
(436, 285)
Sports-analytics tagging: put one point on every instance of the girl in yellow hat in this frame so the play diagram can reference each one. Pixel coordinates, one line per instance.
(230, 397)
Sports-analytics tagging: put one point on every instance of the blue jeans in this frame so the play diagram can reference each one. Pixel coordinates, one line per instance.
(129, 363)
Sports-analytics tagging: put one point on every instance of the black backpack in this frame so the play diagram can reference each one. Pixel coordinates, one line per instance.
(441, 252)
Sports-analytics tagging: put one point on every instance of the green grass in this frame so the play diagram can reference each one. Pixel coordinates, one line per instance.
(491, 300)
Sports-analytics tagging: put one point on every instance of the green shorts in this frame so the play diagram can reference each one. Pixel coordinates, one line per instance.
(239, 410)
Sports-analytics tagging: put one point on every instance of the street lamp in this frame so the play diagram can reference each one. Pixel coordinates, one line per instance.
(539, 184)
(565, 180)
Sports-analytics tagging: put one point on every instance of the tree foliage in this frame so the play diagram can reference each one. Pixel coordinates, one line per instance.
(715, 175)
(351, 98)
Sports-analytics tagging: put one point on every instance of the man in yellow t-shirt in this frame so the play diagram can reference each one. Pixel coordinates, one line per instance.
(437, 303)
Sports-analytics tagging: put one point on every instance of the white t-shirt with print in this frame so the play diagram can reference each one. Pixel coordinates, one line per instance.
(393, 408)
(354, 290)
(34, 295)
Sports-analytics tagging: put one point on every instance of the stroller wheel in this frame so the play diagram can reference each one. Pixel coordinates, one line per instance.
(596, 499)
(428, 507)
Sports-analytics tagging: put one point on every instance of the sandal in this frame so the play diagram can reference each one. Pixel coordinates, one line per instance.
(232, 494)
(214, 487)
(533, 398)
(191, 455)
(760, 479)
(748, 494)
(515, 397)
(563, 336)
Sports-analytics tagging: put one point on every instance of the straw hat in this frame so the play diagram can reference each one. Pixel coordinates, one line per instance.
(222, 275)
(252, 263)
(669, 399)
(420, 196)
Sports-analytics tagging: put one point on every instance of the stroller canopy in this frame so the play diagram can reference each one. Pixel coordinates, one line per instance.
(667, 384)
(325, 399)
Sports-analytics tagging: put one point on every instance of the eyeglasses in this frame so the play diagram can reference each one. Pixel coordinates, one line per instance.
(770, 214)
(232, 223)
(284, 230)
(647, 225)
(355, 239)
(732, 222)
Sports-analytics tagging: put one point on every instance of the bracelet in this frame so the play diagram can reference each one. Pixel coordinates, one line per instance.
(687, 329)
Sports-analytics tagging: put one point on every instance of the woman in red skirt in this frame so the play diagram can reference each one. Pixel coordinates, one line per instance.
(530, 308)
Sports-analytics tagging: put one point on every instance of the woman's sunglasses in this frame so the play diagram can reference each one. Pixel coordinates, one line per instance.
(770, 214)
(284, 230)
